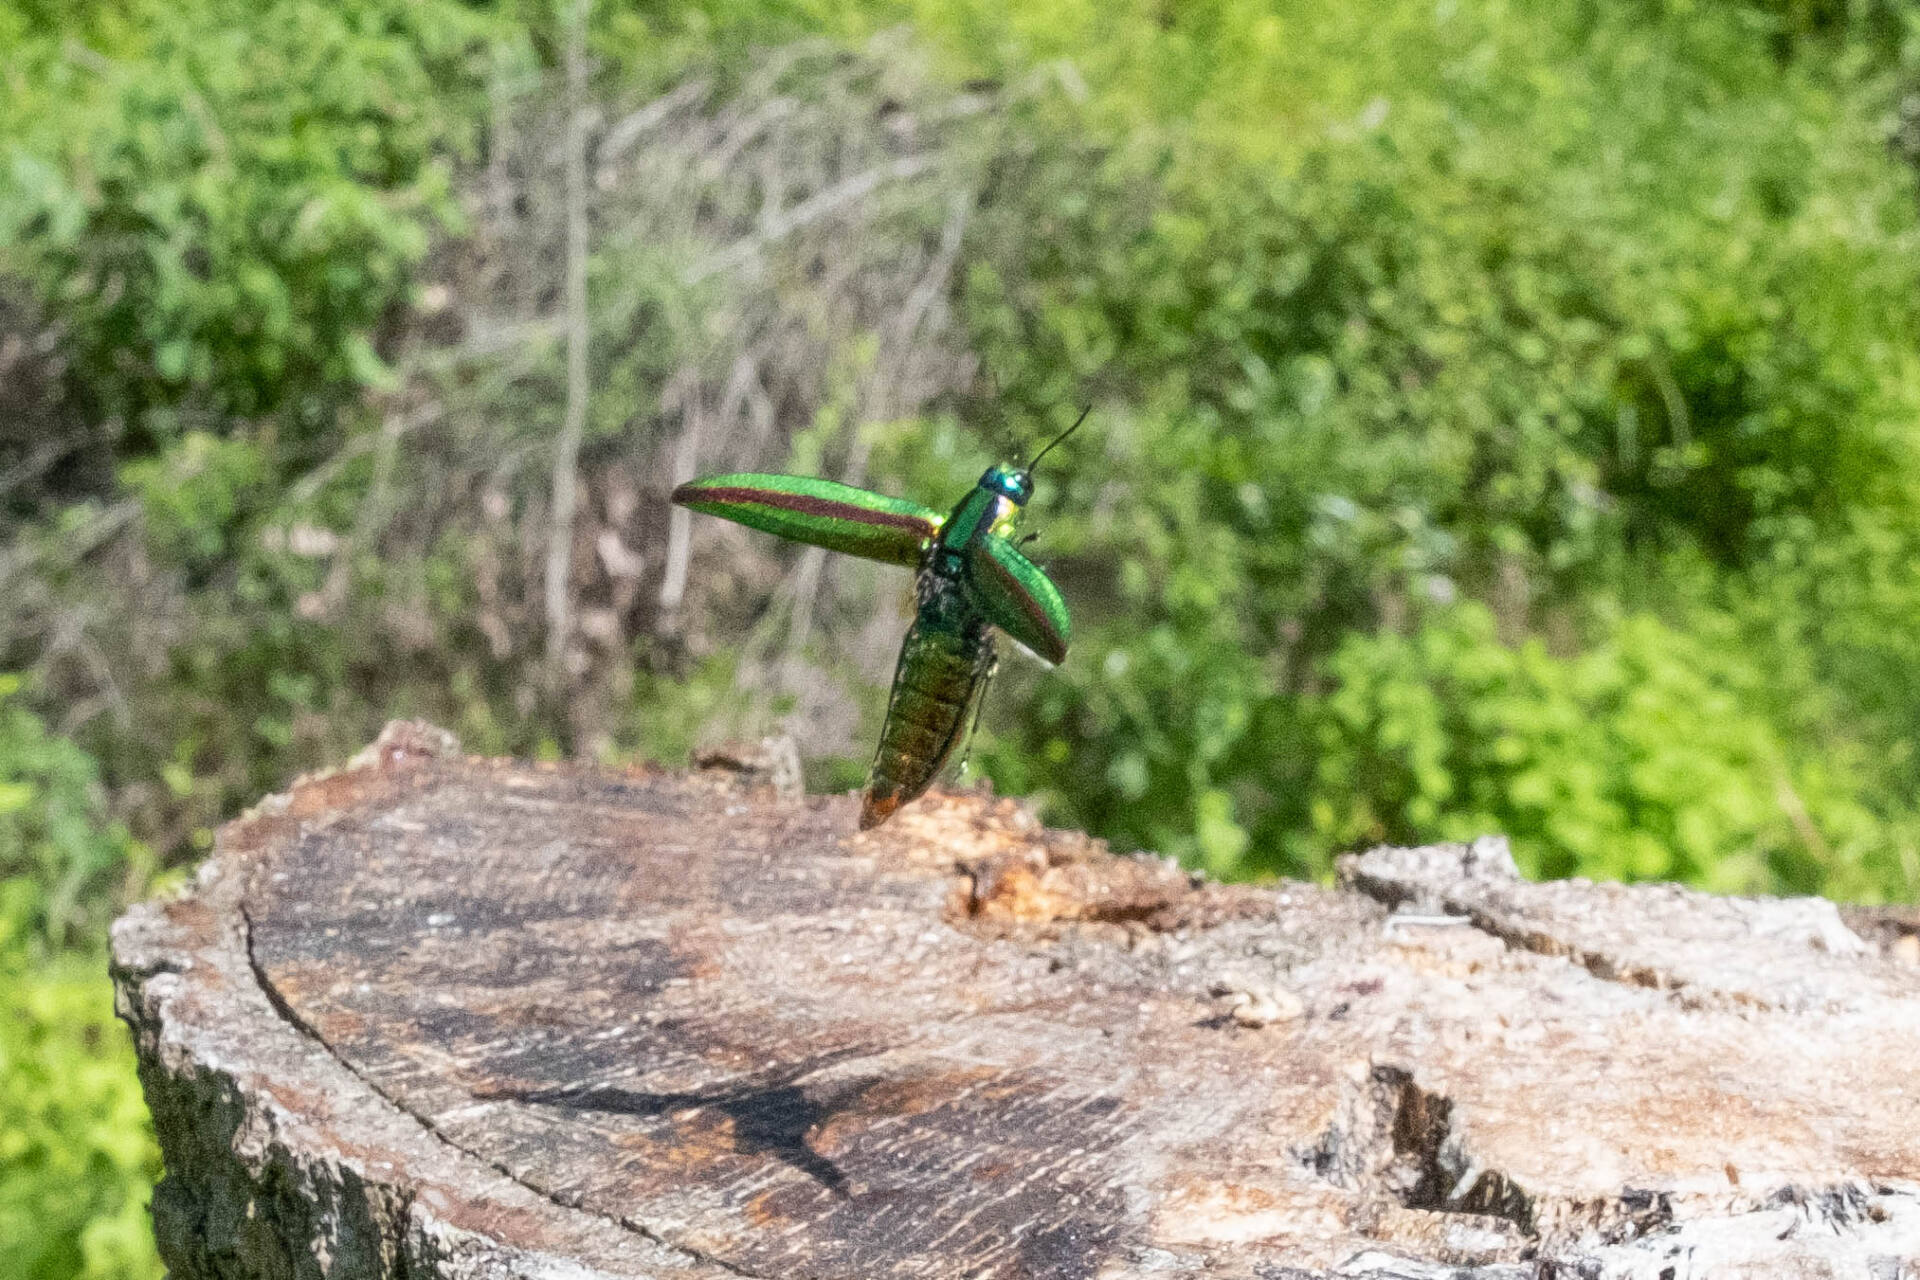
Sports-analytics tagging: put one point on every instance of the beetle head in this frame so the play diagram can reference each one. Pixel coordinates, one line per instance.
(1013, 483)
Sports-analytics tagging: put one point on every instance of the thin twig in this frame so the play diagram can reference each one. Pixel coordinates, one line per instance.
(630, 128)
(737, 136)
(308, 487)
(934, 282)
(1679, 421)
(373, 509)
(807, 212)
(43, 460)
(74, 546)
(810, 575)
(686, 457)
(1796, 811)
(566, 453)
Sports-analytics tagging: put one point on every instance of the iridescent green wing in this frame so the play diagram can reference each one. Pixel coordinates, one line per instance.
(822, 513)
(1018, 598)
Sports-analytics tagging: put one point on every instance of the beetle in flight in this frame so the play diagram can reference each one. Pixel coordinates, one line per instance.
(972, 576)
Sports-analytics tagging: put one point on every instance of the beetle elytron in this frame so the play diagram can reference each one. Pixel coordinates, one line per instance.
(972, 576)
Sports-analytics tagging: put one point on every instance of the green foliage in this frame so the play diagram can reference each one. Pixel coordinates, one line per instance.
(62, 866)
(1577, 315)
(225, 201)
(193, 494)
(76, 1153)
(1646, 756)
(76, 1150)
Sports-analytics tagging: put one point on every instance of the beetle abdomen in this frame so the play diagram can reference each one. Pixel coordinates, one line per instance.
(943, 664)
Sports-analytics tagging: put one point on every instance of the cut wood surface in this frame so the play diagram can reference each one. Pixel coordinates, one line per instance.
(432, 1016)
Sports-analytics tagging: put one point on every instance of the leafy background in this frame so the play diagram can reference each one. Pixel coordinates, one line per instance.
(1505, 418)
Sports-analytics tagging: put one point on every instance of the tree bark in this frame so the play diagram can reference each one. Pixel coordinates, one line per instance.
(432, 1016)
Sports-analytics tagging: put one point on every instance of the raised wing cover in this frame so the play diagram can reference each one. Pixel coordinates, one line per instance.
(1019, 599)
(822, 513)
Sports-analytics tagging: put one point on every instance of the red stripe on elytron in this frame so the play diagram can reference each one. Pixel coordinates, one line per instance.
(1028, 604)
(808, 505)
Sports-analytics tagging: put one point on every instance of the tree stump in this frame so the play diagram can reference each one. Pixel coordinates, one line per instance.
(441, 1017)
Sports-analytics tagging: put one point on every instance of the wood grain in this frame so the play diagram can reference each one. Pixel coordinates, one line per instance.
(436, 1016)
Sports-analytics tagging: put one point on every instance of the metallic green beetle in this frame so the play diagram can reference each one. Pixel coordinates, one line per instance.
(971, 576)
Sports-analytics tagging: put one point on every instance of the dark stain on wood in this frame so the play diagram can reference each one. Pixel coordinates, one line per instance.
(542, 965)
(768, 1118)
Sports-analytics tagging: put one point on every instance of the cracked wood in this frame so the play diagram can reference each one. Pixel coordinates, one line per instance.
(435, 1016)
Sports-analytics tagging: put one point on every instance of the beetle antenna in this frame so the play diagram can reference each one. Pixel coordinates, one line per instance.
(1057, 439)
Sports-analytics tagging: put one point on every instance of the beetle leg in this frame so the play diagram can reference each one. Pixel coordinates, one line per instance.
(979, 708)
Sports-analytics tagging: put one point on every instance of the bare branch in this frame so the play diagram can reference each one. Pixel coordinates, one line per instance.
(75, 545)
(566, 453)
(44, 459)
(630, 128)
(809, 211)
(686, 457)
(373, 510)
(882, 391)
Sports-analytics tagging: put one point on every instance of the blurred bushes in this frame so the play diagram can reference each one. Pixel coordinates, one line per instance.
(1643, 757)
(62, 866)
(1605, 325)
(210, 216)
(222, 203)
(1505, 419)
(75, 1152)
